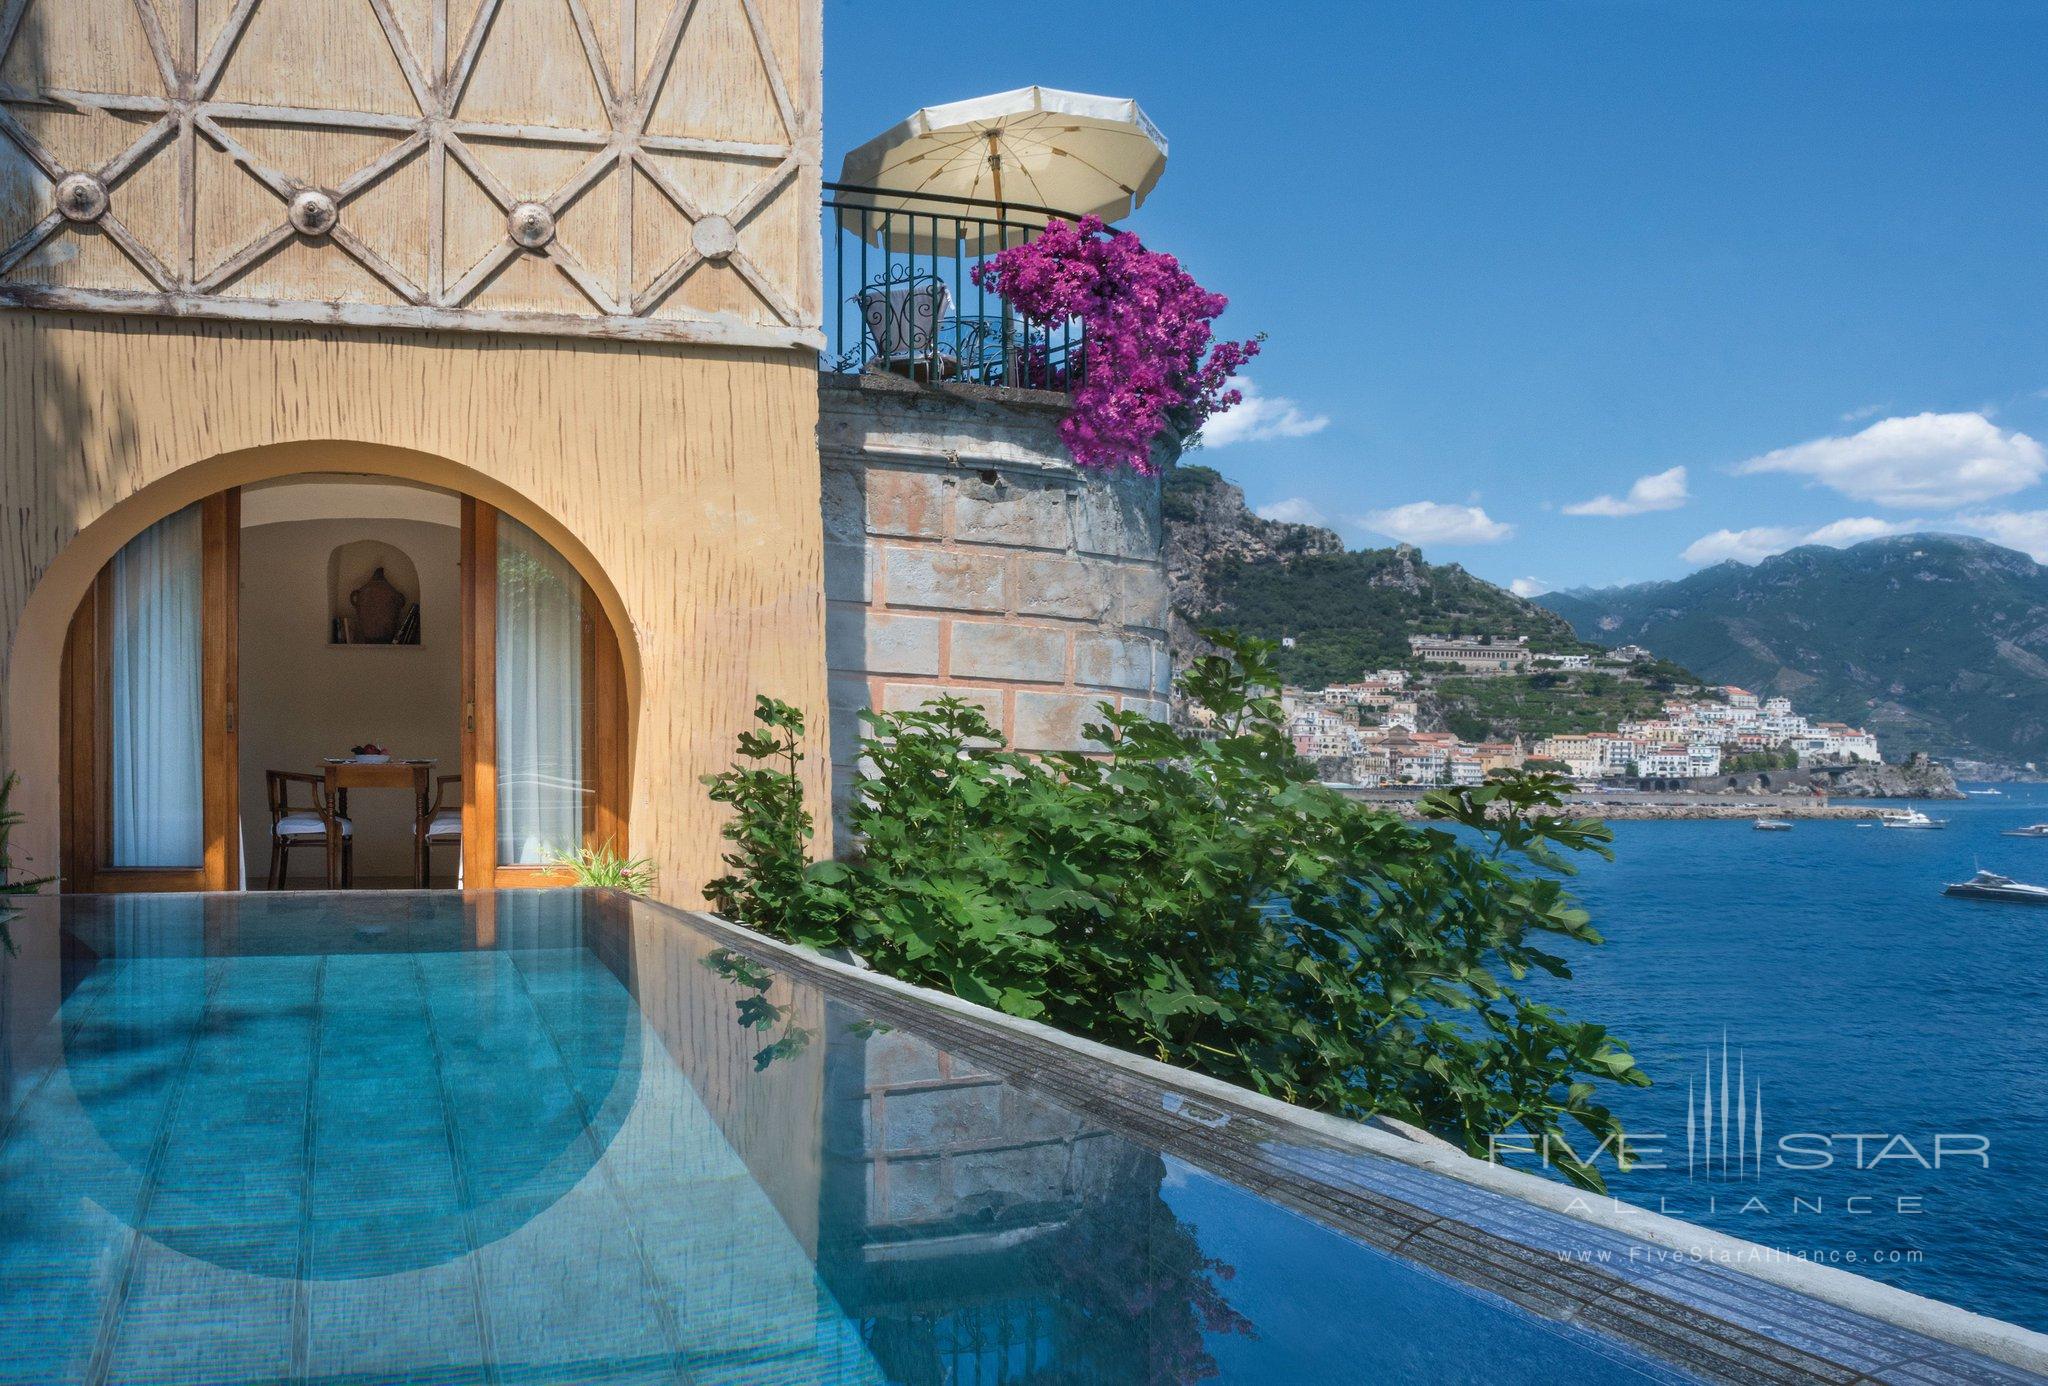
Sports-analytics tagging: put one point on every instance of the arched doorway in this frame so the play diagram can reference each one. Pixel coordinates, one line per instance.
(152, 705)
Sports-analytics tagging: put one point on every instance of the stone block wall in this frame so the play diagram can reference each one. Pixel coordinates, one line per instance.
(966, 555)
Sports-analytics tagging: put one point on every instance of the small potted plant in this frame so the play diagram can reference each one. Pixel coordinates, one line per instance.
(9, 887)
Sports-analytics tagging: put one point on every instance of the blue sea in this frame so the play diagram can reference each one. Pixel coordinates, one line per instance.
(1882, 1105)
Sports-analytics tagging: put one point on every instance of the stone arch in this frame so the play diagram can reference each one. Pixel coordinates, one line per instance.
(36, 656)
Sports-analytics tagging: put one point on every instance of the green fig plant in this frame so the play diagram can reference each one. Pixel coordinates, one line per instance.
(1195, 896)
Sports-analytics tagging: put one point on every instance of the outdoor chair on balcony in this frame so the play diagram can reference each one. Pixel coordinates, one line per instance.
(293, 825)
(905, 316)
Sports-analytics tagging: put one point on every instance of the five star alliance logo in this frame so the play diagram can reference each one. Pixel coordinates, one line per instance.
(1725, 1143)
(1724, 1120)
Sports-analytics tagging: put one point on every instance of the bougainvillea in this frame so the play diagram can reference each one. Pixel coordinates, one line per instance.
(1152, 366)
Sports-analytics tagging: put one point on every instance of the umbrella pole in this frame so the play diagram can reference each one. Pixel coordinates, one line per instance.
(995, 169)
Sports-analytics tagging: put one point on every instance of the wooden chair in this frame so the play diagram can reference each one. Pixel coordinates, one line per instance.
(294, 826)
(440, 826)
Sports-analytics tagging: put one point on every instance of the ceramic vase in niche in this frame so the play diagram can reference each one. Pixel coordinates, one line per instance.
(378, 607)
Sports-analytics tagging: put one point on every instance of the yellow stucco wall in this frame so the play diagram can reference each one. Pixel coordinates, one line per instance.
(682, 481)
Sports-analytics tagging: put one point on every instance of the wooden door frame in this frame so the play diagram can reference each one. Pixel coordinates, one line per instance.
(83, 731)
(604, 718)
(479, 694)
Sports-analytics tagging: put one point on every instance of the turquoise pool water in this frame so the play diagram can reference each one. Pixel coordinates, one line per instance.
(525, 1138)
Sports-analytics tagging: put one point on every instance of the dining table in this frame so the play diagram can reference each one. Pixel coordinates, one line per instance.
(344, 774)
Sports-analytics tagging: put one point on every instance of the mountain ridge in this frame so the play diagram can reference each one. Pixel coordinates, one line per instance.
(1939, 643)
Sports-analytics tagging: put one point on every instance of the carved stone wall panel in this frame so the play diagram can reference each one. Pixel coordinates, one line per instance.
(627, 168)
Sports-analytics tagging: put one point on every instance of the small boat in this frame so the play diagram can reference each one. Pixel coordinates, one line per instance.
(1773, 825)
(1986, 793)
(1909, 818)
(2031, 830)
(1989, 885)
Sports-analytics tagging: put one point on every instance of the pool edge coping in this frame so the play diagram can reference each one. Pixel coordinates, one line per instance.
(2008, 1343)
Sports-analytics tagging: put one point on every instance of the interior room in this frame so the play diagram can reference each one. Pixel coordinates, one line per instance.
(350, 648)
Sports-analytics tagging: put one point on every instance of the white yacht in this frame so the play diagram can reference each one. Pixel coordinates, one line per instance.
(1909, 818)
(1989, 885)
(1773, 825)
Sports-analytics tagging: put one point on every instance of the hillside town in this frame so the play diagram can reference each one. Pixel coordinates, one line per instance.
(1369, 733)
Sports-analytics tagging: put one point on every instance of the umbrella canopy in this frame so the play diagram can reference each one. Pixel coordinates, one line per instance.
(1036, 150)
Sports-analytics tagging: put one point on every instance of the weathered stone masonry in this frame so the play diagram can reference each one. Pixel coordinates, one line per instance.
(965, 554)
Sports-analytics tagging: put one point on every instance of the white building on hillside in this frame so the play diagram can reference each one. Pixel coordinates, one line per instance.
(1474, 656)
(1836, 741)
(1671, 760)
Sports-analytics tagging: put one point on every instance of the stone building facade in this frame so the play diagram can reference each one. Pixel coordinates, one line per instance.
(568, 274)
(965, 554)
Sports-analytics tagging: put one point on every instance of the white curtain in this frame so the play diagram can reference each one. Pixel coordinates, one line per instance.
(541, 789)
(159, 769)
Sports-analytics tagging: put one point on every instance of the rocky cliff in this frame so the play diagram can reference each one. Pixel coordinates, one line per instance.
(1917, 778)
(1209, 525)
(1343, 612)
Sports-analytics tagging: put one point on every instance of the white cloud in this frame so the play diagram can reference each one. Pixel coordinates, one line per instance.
(1742, 545)
(1528, 587)
(2025, 530)
(1755, 545)
(1659, 491)
(1921, 460)
(1840, 534)
(1259, 417)
(1294, 511)
(1433, 522)
(1868, 411)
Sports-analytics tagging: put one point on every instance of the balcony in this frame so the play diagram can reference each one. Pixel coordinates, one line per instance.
(902, 298)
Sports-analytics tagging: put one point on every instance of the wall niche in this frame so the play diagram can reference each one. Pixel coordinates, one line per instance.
(373, 595)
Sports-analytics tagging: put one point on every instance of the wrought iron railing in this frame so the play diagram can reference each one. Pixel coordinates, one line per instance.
(903, 297)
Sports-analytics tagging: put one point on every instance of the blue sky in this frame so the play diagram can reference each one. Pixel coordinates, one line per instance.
(1521, 256)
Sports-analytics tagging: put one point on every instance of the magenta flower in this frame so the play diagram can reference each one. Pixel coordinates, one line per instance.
(1153, 367)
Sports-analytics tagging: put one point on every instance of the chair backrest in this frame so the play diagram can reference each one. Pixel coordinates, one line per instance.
(902, 316)
(441, 783)
(278, 784)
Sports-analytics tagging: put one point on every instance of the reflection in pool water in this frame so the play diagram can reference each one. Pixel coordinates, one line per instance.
(427, 1102)
(527, 1137)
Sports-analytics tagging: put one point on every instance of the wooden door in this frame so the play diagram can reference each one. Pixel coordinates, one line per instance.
(491, 777)
(88, 732)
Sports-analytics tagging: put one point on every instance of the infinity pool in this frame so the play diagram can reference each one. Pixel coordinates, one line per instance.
(528, 1137)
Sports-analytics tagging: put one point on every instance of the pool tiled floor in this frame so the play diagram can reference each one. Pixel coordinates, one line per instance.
(441, 1166)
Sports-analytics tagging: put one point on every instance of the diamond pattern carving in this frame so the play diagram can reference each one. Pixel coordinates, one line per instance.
(592, 167)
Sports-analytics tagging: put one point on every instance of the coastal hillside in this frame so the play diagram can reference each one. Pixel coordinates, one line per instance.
(1936, 643)
(1345, 611)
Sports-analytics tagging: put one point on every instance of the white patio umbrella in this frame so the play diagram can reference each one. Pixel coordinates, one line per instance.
(1065, 150)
